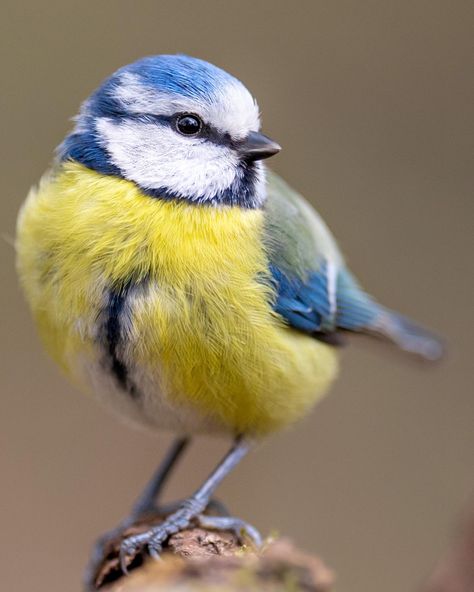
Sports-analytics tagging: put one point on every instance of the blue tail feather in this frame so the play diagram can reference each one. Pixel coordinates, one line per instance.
(359, 312)
(408, 335)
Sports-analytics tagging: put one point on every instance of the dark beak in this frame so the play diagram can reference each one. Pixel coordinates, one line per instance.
(256, 146)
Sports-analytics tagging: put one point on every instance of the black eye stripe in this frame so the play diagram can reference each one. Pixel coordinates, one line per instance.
(207, 132)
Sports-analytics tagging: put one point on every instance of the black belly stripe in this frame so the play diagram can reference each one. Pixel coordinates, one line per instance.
(114, 314)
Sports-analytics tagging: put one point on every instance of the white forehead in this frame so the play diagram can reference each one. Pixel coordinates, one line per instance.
(230, 109)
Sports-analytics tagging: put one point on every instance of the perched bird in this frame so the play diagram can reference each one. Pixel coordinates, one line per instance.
(180, 282)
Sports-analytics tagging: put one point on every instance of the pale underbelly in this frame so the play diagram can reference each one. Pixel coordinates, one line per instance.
(144, 402)
(197, 367)
(144, 399)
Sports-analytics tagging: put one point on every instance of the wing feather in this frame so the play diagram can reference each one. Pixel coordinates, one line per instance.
(315, 292)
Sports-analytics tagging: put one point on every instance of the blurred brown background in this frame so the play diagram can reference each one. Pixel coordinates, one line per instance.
(373, 104)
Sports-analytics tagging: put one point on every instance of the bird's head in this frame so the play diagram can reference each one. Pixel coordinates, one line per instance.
(177, 127)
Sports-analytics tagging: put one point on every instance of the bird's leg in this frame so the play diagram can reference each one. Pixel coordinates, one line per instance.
(146, 502)
(147, 499)
(191, 510)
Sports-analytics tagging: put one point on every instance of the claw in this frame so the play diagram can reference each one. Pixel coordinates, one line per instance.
(154, 551)
(123, 566)
(236, 525)
(253, 534)
(99, 552)
(128, 549)
(123, 556)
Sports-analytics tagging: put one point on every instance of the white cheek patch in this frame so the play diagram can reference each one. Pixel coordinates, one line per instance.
(231, 109)
(155, 157)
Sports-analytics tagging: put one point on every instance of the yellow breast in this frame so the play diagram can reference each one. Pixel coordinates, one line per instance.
(200, 313)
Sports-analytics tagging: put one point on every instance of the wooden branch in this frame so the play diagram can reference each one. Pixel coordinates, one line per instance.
(200, 560)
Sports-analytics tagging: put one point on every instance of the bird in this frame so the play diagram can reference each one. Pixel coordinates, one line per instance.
(184, 284)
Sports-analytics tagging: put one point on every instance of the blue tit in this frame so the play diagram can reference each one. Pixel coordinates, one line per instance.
(181, 283)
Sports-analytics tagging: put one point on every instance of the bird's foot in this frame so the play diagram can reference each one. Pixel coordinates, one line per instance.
(190, 511)
(154, 539)
(105, 547)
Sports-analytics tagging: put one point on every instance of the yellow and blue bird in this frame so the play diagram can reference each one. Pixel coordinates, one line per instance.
(179, 281)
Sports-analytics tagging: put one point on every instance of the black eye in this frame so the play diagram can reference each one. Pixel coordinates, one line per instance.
(189, 125)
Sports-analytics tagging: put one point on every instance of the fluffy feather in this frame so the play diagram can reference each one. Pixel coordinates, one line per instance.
(199, 337)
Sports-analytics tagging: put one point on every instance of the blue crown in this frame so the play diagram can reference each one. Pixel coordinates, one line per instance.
(180, 74)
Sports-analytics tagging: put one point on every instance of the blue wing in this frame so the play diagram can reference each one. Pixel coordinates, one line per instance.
(325, 301)
(315, 292)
